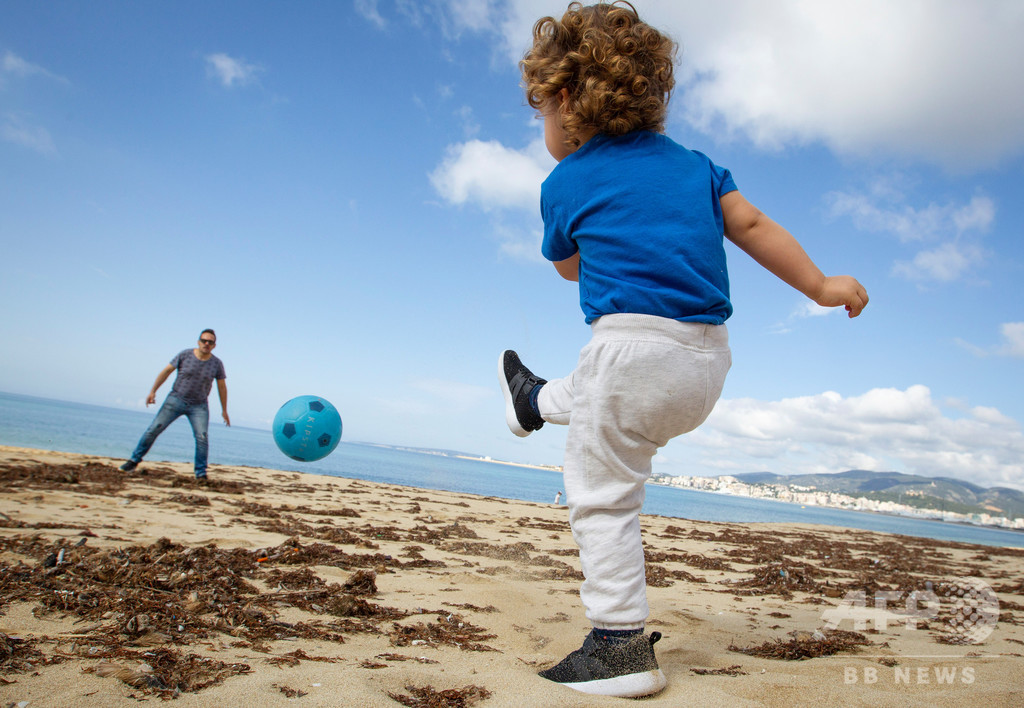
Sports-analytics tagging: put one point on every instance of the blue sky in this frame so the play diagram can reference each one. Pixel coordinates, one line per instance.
(348, 193)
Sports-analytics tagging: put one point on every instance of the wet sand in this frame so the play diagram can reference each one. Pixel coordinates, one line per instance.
(268, 588)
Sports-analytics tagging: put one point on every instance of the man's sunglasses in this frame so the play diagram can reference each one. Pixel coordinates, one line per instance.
(211, 342)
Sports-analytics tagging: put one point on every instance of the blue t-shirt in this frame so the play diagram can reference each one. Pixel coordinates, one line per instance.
(195, 376)
(644, 214)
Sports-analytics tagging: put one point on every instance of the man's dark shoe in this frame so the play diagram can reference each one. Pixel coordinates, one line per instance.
(516, 384)
(608, 668)
(129, 466)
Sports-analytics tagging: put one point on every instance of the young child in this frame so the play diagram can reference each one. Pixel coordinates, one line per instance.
(638, 221)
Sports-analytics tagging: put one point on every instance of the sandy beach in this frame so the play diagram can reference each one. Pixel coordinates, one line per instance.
(270, 588)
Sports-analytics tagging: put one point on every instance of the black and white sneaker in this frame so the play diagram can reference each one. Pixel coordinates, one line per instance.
(604, 668)
(129, 466)
(516, 384)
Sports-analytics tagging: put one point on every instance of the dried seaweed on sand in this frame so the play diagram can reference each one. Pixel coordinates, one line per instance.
(428, 697)
(19, 655)
(807, 645)
(166, 672)
(450, 630)
(734, 670)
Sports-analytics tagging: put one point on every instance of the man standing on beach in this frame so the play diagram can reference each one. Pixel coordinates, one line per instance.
(197, 369)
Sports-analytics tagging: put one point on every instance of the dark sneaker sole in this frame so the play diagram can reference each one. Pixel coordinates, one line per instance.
(510, 408)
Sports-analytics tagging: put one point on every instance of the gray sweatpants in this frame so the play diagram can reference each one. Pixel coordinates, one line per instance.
(640, 381)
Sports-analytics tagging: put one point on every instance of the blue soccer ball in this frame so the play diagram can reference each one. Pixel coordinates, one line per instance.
(307, 428)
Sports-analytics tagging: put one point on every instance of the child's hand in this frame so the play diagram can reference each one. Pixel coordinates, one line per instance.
(843, 290)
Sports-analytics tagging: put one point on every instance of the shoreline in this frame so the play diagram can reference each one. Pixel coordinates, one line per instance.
(284, 585)
(934, 514)
(654, 483)
(675, 511)
(889, 514)
(546, 468)
(657, 483)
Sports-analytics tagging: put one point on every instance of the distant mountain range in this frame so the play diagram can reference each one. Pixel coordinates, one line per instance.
(943, 493)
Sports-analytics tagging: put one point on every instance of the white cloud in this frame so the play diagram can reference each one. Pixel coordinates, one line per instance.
(957, 229)
(472, 14)
(987, 414)
(804, 309)
(17, 128)
(807, 308)
(978, 215)
(368, 10)
(451, 17)
(913, 78)
(881, 430)
(925, 79)
(1011, 346)
(882, 209)
(1013, 336)
(502, 181)
(14, 129)
(491, 176)
(13, 65)
(230, 71)
(918, 78)
(470, 126)
(521, 244)
(943, 264)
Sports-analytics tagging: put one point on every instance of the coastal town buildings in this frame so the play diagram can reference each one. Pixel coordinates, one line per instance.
(796, 494)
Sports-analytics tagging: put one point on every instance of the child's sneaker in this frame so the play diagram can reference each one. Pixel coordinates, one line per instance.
(622, 669)
(516, 384)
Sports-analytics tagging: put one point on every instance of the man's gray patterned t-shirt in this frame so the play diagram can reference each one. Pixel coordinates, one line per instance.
(195, 376)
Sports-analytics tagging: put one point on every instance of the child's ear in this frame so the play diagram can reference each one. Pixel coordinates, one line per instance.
(563, 100)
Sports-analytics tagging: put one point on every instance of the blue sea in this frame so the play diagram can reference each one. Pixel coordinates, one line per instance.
(40, 423)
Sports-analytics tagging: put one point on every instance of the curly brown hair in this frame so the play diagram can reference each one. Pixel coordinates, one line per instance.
(617, 69)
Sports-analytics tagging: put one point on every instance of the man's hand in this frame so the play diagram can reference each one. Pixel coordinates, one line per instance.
(160, 378)
(227, 420)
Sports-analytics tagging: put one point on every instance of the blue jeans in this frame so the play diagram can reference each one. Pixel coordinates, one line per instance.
(173, 408)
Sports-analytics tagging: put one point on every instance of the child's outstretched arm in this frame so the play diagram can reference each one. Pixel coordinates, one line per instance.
(775, 248)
